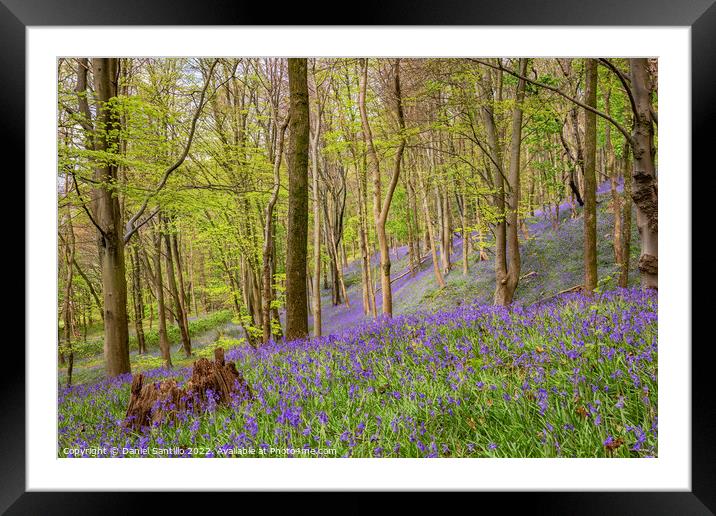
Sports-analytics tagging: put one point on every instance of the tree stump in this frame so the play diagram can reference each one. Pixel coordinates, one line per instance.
(217, 378)
(153, 402)
(159, 402)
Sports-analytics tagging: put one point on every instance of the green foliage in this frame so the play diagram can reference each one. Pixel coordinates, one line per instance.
(222, 342)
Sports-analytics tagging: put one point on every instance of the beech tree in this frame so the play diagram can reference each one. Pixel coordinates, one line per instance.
(381, 206)
(590, 179)
(297, 229)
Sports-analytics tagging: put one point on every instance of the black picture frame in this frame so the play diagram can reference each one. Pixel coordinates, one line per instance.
(700, 15)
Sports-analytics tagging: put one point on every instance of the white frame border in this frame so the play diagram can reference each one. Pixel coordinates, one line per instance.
(670, 471)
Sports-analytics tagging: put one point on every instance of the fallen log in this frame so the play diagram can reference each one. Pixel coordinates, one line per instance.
(156, 403)
(576, 288)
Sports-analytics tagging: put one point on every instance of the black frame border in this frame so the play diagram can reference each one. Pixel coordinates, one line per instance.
(700, 15)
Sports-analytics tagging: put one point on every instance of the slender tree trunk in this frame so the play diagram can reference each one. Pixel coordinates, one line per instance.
(68, 308)
(613, 174)
(365, 257)
(644, 186)
(413, 256)
(431, 237)
(269, 248)
(380, 209)
(480, 234)
(316, 285)
(183, 298)
(138, 301)
(164, 345)
(445, 236)
(464, 230)
(626, 223)
(590, 179)
(171, 281)
(338, 284)
(297, 229)
(192, 284)
(276, 325)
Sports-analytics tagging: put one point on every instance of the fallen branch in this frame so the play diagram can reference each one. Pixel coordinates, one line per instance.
(576, 288)
(409, 271)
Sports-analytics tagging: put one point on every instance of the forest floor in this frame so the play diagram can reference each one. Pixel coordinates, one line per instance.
(205, 330)
(449, 376)
(551, 262)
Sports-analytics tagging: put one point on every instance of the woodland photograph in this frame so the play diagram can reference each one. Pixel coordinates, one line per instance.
(357, 257)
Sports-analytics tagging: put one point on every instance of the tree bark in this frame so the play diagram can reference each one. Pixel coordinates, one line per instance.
(590, 179)
(268, 251)
(164, 345)
(644, 186)
(316, 279)
(68, 308)
(431, 236)
(464, 228)
(626, 222)
(183, 298)
(108, 222)
(613, 174)
(368, 298)
(138, 301)
(508, 277)
(171, 281)
(297, 229)
(381, 208)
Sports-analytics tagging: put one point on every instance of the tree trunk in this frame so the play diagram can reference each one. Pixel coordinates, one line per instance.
(269, 251)
(138, 301)
(108, 221)
(464, 230)
(644, 186)
(496, 165)
(626, 222)
(297, 229)
(164, 345)
(431, 237)
(68, 307)
(381, 208)
(316, 280)
(183, 298)
(590, 179)
(171, 281)
(368, 306)
(613, 174)
(507, 277)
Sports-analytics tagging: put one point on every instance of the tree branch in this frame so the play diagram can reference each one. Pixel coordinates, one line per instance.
(616, 124)
(623, 79)
(84, 206)
(130, 227)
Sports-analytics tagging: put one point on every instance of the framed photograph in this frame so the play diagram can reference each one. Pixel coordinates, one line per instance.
(420, 256)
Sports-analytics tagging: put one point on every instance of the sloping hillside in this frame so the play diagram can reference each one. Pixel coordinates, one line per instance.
(551, 262)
